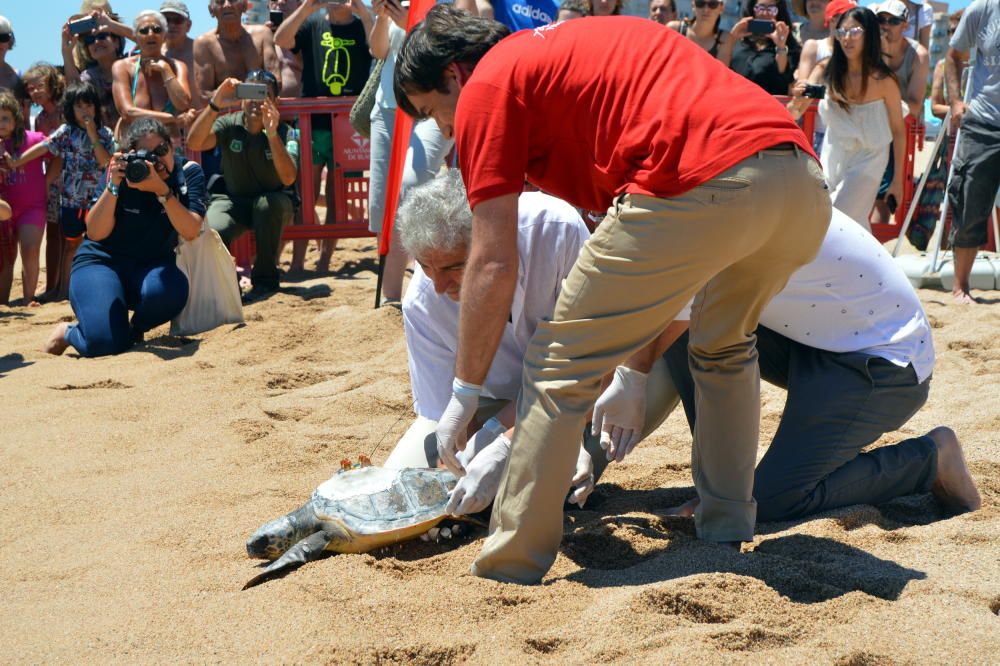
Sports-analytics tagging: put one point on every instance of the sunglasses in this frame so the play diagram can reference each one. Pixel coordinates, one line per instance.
(161, 150)
(174, 19)
(6, 37)
(154, 29)
(711, 4)
(770, 10)
(849, 33)
(889, 20)
(99, 37)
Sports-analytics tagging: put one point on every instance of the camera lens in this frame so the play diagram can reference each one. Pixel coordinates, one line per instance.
(136, 170)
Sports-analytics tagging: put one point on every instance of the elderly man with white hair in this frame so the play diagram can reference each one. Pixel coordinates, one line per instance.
(435, 226)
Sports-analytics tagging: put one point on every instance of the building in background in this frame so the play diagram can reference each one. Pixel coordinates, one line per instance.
(257, 13)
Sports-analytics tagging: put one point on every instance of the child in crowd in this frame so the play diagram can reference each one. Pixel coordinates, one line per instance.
(44, 86)
(85, 146)
(24, 189)
(8, 242)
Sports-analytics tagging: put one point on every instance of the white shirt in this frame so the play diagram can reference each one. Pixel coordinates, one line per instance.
(853, 297)
(549, 237)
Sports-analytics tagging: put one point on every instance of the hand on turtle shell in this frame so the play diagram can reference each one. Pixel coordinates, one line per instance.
(452, 428)
(479, 486)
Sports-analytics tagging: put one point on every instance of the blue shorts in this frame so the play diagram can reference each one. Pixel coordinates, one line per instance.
(72, 222)
(887, 177)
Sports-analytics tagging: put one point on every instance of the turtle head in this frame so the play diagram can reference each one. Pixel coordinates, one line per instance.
(274, 538)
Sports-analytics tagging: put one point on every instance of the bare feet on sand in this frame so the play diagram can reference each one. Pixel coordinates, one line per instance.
(57, 344)
(963, 296)
(953, 486)
(685, 510)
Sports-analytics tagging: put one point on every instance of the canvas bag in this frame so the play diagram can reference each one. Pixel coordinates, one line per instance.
(213, 291)
(361, 112)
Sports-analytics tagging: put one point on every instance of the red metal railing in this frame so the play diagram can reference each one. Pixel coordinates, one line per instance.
(349, 194)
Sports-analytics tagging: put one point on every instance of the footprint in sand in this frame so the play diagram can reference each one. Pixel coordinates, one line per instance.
(543, 644)
(752, 638)
(422, 655)
(286, 381)
(865, 658)
(103, 384)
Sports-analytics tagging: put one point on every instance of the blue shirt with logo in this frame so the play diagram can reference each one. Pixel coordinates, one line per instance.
(525, 14)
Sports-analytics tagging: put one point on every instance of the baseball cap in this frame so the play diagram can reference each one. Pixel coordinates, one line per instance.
(175, 7)
(836, 8)
(893, 8)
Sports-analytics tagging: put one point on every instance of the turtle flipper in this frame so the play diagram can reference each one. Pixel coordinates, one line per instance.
(304, 551)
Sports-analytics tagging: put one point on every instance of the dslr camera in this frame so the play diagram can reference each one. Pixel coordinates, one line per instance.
(136, 169)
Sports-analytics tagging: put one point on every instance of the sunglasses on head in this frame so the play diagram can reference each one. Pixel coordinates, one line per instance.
(889, 20)
(154, 29)
(99, 37)
(852, 33)
(770, 10)
(6, 37)
(711, 4)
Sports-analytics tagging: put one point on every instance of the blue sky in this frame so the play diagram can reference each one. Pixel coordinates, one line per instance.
(37, 23)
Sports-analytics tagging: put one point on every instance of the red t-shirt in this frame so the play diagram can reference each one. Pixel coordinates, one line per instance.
(590, 108)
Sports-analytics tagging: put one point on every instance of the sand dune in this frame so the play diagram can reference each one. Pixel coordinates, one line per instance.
(131, 483)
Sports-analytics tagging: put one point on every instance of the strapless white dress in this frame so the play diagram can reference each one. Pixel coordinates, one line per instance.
(855, 154)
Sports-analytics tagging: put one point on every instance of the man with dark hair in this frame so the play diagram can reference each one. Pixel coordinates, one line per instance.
(335, 62)
(258, 170)
(680, 160)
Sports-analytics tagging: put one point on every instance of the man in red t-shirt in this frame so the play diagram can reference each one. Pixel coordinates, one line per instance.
(713, 190)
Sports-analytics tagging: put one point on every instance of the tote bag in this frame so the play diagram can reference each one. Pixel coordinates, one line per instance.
(361, 112)
(213, 292)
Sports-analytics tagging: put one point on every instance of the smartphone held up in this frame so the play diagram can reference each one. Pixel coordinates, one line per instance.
(251, 91)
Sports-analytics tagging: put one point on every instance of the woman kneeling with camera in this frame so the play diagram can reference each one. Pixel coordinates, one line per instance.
(127, 261)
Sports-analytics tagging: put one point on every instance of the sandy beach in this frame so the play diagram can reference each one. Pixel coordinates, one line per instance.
(131, 483)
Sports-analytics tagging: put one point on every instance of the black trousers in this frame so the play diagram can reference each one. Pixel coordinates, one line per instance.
(837, 405)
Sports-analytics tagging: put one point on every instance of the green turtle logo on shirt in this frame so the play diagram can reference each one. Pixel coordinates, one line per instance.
(236, 146)
(336, 62)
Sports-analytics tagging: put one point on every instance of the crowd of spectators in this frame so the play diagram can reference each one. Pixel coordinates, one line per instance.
(154, 68)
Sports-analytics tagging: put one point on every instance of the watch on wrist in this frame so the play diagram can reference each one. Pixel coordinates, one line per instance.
(164, 198)
(212, 105)
(782, 49)
(112, 188)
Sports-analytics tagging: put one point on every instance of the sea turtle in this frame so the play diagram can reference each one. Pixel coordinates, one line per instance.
(359, 509)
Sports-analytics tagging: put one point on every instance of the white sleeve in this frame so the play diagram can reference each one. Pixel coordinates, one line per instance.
(431, 363)
(685, 314)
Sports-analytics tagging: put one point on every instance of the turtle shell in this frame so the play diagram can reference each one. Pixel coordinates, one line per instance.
(375, 500)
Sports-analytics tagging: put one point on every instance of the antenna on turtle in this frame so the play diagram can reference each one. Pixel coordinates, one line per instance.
(379, 443)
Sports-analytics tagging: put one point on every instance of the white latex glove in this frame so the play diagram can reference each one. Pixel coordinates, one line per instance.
(486, 436)
(452, 429)
(479, 486)
(583, 480)
(620, 413)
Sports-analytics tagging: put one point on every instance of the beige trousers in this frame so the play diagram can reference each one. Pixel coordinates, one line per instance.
(733, 242)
